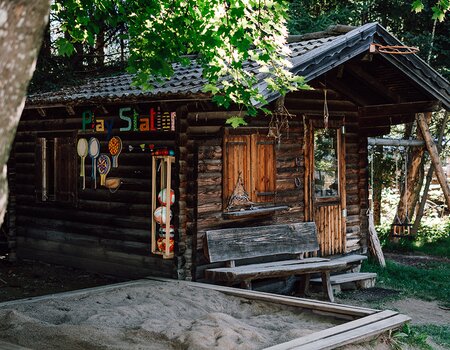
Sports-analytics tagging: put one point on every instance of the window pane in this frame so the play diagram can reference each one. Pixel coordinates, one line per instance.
(326, 175)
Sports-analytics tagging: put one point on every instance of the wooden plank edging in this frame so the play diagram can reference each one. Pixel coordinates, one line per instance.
(337, 310)
(72, 293)
(333, 331)
(356, 335)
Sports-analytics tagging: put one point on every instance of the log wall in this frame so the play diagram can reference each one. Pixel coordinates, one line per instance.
(100, 231)
(205, 169)
(110, 232)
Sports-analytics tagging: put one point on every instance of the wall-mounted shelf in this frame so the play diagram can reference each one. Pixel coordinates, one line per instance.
(254, 212)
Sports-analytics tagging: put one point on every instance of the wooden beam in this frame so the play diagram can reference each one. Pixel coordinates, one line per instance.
(338, 310)
(378, 131)
(394, 142)
(434, 155)
(387, 120)
(400, 108)
(348, 92)
(358, 72)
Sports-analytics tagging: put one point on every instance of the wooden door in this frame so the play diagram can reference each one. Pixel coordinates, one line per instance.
(325, 185)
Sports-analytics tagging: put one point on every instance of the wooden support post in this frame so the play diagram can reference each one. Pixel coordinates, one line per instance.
(429, 178)
(326, 284)
(304, 285)
(247, 284)
(434, 155)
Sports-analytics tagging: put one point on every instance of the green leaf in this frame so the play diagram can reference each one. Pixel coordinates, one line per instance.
(417, 6)
(236, 121)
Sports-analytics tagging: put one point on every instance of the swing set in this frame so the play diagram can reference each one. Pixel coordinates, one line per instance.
(399, 228)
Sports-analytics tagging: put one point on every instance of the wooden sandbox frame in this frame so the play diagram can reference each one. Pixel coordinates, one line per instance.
(363, 323)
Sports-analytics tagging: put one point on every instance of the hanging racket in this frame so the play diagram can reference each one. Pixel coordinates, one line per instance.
(82, 150)
(115, 147)
(104, 166)
(94, 151)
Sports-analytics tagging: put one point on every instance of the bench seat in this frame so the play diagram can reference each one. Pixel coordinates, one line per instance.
(256, 271)
(240, 244)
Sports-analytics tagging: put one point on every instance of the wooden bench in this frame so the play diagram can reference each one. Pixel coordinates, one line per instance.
(235, 244)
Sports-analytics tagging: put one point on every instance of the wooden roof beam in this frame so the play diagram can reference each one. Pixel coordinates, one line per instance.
(359, 73)
(387, 120)
(399, 108)
(378, 131)
(350, 93)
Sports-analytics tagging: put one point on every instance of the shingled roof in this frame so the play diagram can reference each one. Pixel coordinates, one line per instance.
(310, 58)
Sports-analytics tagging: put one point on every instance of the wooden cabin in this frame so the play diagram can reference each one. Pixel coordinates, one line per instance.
(174, 136)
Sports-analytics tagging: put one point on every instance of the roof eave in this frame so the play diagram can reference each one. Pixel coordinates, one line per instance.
(321, 60)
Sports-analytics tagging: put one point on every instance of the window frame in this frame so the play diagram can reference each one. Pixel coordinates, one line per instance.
(64, 191)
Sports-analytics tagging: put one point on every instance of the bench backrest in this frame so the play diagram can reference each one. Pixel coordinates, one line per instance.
(251, 242)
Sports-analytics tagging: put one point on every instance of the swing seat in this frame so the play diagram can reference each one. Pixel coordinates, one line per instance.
(402, 230)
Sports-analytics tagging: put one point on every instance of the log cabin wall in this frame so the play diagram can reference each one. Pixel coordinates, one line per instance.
(204, 132)
(100, 231)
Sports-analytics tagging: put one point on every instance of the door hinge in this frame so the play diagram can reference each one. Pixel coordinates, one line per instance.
(343, 129)
(344, 213)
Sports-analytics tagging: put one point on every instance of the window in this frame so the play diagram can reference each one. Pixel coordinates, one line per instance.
(326, 169)
(252, 156)
(55, 169)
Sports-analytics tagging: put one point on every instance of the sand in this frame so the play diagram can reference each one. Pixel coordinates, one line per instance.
(155, 315)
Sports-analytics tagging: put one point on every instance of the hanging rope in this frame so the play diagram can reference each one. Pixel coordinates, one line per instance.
(326, 113)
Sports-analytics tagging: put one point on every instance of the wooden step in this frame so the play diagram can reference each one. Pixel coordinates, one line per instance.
(358, 280)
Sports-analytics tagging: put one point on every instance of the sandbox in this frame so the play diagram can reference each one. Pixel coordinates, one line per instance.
(165, 314)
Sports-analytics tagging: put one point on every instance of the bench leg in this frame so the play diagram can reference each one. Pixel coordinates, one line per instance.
(326, 284)
(246, 284)
(304, 285)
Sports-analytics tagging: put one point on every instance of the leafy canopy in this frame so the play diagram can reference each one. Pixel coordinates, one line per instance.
(224, 36)
(439, 9)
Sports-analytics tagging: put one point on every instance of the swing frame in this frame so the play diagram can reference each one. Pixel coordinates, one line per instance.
(399, 228)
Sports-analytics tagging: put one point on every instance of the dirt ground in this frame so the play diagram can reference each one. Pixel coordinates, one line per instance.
(25, 279)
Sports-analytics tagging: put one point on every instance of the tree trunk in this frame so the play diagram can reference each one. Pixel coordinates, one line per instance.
(412, 205)
(22, 23)
(434, 155)
(407, 191)
(429, 178)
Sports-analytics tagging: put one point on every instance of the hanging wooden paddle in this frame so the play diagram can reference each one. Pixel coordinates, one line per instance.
(104, 166)
(94, 151)
(82, 149)
(115, 147)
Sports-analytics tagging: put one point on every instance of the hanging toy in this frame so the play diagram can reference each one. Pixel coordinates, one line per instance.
(115, 147)
(160, 215)
(104, 166)
(94, 151)
(82, 150)
(162, 197)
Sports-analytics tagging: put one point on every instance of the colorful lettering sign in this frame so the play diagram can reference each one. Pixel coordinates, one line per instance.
(129, 120)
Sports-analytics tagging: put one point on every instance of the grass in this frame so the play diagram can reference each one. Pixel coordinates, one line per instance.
(440, 334)
(432, 239)
(429, 282)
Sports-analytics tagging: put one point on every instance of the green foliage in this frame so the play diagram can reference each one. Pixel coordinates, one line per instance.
(410, 336)
(439, 9)
(439, 334)
(428, 282)
(433, 238)
(236, 121)
(414, 29)
(224, 35)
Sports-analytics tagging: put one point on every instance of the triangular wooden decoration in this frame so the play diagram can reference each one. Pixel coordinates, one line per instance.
(239, 198)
